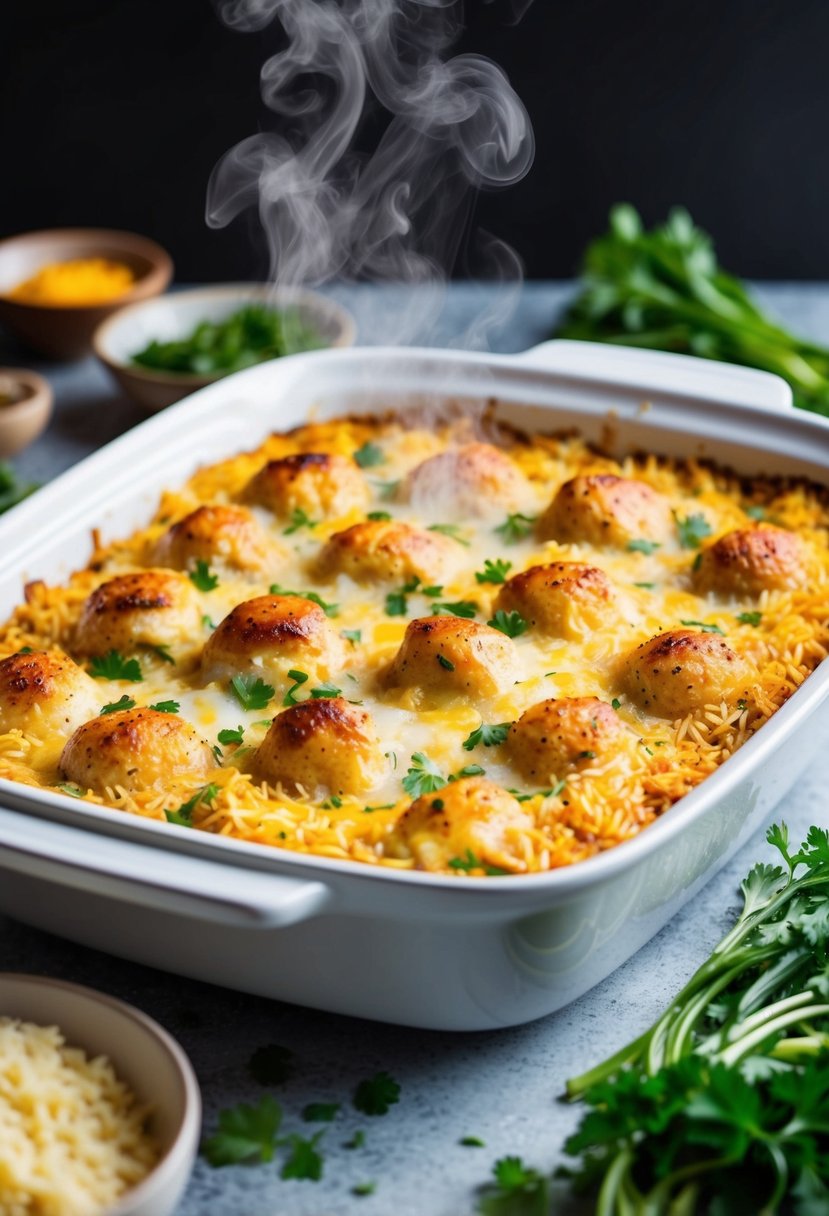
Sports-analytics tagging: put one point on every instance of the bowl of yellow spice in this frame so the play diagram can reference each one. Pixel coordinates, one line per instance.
(56, 287)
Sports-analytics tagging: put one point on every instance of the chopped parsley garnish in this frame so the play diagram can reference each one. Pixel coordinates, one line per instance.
(388, 489)
(386, 806)
(251, 691)
(246, 1133)
(645, 586)
(452, 531)
(755, 512)
(468, 770)
(271, 1065)
(352, 635)
(377, 1094)
(692, 529)
(379, 517)
(643, 546)
(329, 609)
(304, 1162)
(464, 608)
(231, 736)
(424, 776)
(697, 562)
(183, 816)
(396, 604)
(494, 572)
(322, 691)
(25, 650)
(489, 736)
(321, 1112)
(466, 863)
(113, 666)
(163, 653)
(445, 663)
(704, 627)
(123, 702)
(516, 527)
(364, 1188)
(369, 456)
(208, 622)
(299, 519)
(587, 755)
(334, 801)
(510, 623)
(166, 707)
(299, 678)
(750, 618)
(471, 1142)
(202, 577)
(615, 703)
(68, 787)
(553, 792)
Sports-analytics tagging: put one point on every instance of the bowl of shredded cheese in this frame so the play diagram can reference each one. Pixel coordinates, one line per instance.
(100, 1110)
(57, 286)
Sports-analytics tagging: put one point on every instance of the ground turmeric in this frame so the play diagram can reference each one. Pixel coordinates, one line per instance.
(78, 283)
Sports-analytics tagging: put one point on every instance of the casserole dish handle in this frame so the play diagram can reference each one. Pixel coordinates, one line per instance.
(658, 372)
(154, 878)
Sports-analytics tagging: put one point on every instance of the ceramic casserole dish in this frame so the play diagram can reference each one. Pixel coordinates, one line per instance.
(414, 948)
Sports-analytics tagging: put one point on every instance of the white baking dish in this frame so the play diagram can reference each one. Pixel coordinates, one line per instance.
(414, 948)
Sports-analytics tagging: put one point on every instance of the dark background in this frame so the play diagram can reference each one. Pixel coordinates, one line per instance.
(114, 112)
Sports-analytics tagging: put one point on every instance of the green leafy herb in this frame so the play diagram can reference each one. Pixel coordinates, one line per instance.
(231, 736)
(123, 702)
(321, 1112)
(331, 610)
(271, 1065)
(489, 736)
(692, 530)
(510, 623)
(396, 603)
(25, 650)
(516, 527)
(334, 801)
(464, 608)
(299, 519)
(754, 512)
(664, 290)
(246, 1133)
(352, 635)
(553, 792)
(299, 678)
(251, 691)
(643, 546)
(447, 664)
(356, 1141)
(386, 806)
(704, 627)
(68, 787)
(183, 815)
(471, 1142)
(453, 531)
(163, 653)
(208, 622)
(466, 863)
(388, 489)
(304, 1162)
(721, 1104)
(13, 491)
(424, 777)
(325, 690)
(114, 666)
(202, 577)
(364, 1188)
(166, 707)
(645, 586)
(750, 618)
(517, 1190)
(468, 770)
(377, 1094)
(378, 516)
(494, 572)
(615, 703)
(369, 456)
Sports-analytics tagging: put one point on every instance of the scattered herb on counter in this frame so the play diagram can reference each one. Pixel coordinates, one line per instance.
(252, 692)
(471, 1142)
(250, 335)
(183, 816)
(377, 1094)
(370, 455)
(113, 666)
(231, 736)
(321, 1112)
(12, 490)
(510, 623)
(664, 290)
(750, 618)
(489, 736)
(516, 527)
(464, 608)
(114, 707)
(330, 610)
(364, 1188)
(494, 572)
(202, 577)
(166, 707)
(721, 1105)
(271, 1065)
(516, 1190)
(424, 776)
(304, 1162)
(704, 627)
(453, 531)
(692, 530)
(643, 546)
(357, 1140)
(246, 1133)
(299, 519)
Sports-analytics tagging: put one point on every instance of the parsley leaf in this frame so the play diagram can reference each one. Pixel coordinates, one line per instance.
(183, 816)
(516, 527)
(251, 691)
(396, 603)
(113, 666)
(466, 863)
(321, 1112)
(299, 519)
(704, 627)
(510, 623)
(123, 702)
(246, 1133)
(489, 736)
(516, 1191)
(299, 678)
(447, 664)
(231, 736)
(68, 787)
(304, 1162)
(352, 635)
(202, 577)
(452, 531)
(271, 1065)
(424, 777)
(643, 546)
(369, 456)
(471, 1142)
(493, 572)
(750, 618)
(330, 610)
(468, 770)
(615, 703)
(363, 1188)
(755, 512)
(692, 529)
(166, 707)
(463, 608)
(377, 1094)
(325, 690)
(378, 516)
(163, 653)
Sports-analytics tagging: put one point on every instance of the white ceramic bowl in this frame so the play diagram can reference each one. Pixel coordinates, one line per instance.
(143, 1055)
(171, 317)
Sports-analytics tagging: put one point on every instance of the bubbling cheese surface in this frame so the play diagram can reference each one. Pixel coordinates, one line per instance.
(489, 515)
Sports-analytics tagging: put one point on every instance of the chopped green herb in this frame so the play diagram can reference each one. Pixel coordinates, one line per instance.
(615, 703)
(489, 736)
(68, 787)
(510, 623)
(697, 562)
(231, 736)
(25, 650)
(704, 627)
(754, 512)
(424, 777)
(246, 1133)
(553, 792)
(357, 1140)
(335, 800)
(364, 1188)
(516, 527)
(494, 572)
(183, 816)
(645, 586)
(271, 1065)
(464, 608)
(447, 664)
(114, 666)
(123, 702)
(331, 610)
(742, 705)
(208, 622)
(378, 516)
(299, 678)
(466, 863)
(166, 707)
(396, 603)
(299, 519)
(452, 531)
(13, 491)
(369, 456)
(163, 653)
(388, 489)
(468, 770)
(218, 754)
(352, 635)
(323, 691)
(692, 529)
(321, 1112)
(251, 691)
(587, 755)
(643, 546)
(386, 806)
(750, 618)
(377, 1094)
(202, 577)
(471, 1142)
(305, 1162)
(516, 1191)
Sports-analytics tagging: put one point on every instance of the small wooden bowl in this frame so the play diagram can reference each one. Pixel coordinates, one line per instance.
(27, 414)
(65, 332)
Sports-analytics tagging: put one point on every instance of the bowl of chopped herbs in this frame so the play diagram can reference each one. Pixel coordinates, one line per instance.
(160, 350)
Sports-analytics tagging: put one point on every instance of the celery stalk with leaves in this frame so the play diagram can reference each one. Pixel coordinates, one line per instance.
(664, 290)
(722, 1107)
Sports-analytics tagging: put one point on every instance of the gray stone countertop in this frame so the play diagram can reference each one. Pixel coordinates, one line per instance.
(503, 1086)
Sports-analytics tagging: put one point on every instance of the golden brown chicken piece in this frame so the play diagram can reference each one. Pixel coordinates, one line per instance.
(564, 599)
(749, 561)
(137, 749)
(225, 537)
(682, 670)
(322, 485)
(269, 635)
(444, 656)
(605, 510)
(390, 551)
(557, 736)
(44, 692)
(325, 744)
(149, 608)
(474, 480)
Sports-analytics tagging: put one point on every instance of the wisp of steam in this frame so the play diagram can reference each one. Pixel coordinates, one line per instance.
(401, 213)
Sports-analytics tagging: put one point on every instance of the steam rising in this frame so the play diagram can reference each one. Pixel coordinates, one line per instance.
(400, 214)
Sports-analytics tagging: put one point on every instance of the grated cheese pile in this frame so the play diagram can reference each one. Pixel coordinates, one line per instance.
(72, 1137)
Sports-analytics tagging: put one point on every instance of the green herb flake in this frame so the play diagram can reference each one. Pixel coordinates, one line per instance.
(251, 692)
(114, 707)
(466, 863)
(321, 1112)
(386, 806)
(68, 787)
(643, 546)
(305, 1162)
(166, 707)
(354, 636)
(202, 577)
(163, 653)
(516, 527)
(369, 456)
(377, 1094)
(615, 703)
(516, 1190)
(361, 1189)
(299, 519)
(208, 622)
(493, 572)
(396, 603)
(379, 516)
(357, 1140)
(113, 666)
(228, 736)
(462, 608)
(326, 690)
(447, 664)
(755, 512)
(692, 530)
(510, 623)
(330, 610)
(453, 531)
(750, 618)
(706, 628)
(12, 490)
(471, 1142)
(468, 770)
(246, 1133)
(645, 586)
(183, 815)
(423, 777)
(488, 736)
